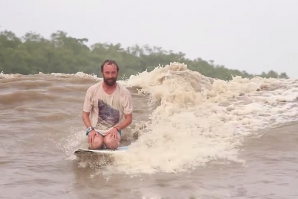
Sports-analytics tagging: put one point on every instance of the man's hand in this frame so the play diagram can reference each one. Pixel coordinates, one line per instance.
(113, 133)
(91, 136)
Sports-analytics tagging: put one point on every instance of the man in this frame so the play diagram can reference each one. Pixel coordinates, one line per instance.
(109, 106)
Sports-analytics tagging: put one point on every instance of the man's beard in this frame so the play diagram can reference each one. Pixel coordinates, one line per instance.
(110, 81)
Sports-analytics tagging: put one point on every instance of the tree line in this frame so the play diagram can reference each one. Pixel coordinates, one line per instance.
(61, 53)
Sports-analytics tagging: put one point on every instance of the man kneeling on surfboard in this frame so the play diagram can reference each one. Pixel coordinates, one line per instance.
(107, 109)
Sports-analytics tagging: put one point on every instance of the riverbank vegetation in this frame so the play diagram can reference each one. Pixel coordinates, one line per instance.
(32, 53)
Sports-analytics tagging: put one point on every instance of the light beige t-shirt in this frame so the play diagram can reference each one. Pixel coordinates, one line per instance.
(106, 110)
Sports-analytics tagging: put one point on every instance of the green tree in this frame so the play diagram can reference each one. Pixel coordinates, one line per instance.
(61, 53)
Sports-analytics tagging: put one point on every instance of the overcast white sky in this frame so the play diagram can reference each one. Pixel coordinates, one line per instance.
(251, 35)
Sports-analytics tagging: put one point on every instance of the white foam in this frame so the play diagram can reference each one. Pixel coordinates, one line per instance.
(78, 74)
(202, 119)
(6, 76)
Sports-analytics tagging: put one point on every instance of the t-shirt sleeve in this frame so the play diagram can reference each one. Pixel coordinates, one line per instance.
(127, 103)
(87, 107)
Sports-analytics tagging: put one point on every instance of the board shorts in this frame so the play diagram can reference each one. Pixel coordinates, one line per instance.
(120, 133)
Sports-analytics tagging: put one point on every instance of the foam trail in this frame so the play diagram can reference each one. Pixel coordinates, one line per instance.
(202, 119)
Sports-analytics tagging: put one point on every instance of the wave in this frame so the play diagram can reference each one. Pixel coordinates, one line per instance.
(21, 97)
(193, 120)
(200, 120)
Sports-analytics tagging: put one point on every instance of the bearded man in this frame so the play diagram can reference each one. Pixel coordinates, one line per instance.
(107, 109)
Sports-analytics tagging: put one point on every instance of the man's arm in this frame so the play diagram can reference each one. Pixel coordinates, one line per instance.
(127, 121)
(86, 119)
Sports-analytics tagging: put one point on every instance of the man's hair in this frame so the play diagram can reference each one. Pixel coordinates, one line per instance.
(109, 62)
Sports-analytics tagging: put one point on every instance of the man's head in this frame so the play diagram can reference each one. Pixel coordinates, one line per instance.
(109, 70)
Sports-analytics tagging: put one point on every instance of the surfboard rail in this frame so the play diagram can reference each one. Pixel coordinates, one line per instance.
(101, 151)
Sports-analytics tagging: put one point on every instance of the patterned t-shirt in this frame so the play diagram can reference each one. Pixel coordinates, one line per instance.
(107, 110)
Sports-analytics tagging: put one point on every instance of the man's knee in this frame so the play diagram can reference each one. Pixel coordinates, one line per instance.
(97, 142)
(111, 143)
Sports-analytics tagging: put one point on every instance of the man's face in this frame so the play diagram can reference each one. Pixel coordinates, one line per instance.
(110, 74)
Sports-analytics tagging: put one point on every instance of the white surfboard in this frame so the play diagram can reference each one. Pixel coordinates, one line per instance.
(101, 151)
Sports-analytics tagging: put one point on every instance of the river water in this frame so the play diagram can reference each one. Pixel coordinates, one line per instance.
(191, 137)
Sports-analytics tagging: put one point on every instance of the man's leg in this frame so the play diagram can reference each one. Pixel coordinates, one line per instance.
(111, 143)
(97, 142)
